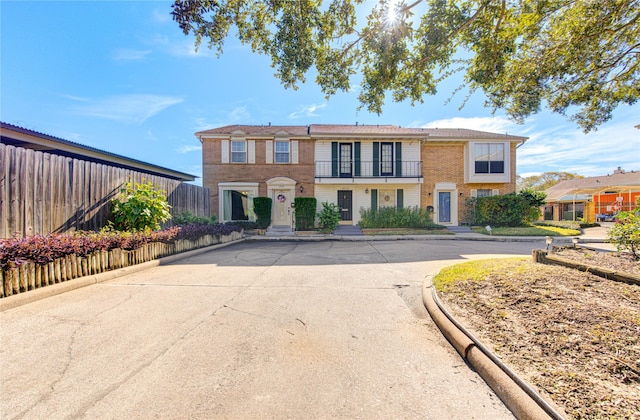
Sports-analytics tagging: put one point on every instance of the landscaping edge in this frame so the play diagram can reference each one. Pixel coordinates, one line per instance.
(20, 299)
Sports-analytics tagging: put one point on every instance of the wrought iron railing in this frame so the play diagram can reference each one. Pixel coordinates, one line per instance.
(368, 169)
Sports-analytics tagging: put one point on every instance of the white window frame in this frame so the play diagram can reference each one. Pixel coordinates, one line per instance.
(252, 191)
(470, 164)
(280, 154)
(232, 151)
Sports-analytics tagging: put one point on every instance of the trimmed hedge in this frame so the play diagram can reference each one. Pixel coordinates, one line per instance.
(305, 212)
(262, 208)
(391, 217)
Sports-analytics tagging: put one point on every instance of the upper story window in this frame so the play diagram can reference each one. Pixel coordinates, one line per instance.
(489, 158)
(386, 159)
(282, 152)
(238, 151)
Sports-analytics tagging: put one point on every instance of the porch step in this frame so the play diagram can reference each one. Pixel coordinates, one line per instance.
(459, 229)
(279, 231)
(348, 230)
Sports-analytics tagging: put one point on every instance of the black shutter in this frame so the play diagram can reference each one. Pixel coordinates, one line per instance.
(357, 158)
(334, 159)
(376, 159)
(398, 159)
(399, 198)
(374, 199)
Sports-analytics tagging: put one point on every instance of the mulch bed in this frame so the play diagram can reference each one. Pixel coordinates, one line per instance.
(572, 335)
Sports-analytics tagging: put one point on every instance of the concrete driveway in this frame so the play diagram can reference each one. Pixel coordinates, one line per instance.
(305, 330)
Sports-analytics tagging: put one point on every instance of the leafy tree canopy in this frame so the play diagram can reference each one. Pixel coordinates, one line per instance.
(543, 181)
(580, 57)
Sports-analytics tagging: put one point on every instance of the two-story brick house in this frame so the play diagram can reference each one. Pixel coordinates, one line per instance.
(355, 166)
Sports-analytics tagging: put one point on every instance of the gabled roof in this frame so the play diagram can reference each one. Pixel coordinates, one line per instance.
(22, 137)
(616, 182)
(358, 130)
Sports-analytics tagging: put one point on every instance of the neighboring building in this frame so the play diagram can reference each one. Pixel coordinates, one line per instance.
(597, 198)
(13, 135)
(355, 166)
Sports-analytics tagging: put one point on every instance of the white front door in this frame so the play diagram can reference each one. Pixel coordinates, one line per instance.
(281, 213)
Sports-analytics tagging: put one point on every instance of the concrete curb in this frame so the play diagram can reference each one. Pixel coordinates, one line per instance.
(457, 237)
(20, 299)
(521, 403)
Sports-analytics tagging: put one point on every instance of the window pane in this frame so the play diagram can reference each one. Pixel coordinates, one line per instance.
(482, 167)
(238, 151)
(282, 152)
(386, 158)
(236, 205)
(484, 193)
(497, 167)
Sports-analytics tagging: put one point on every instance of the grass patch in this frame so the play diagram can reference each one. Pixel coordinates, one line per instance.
(528, 231)
(475, 271)
(406, 231)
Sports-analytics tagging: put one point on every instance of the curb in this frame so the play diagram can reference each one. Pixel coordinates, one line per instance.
(20, 299)
(519, 397)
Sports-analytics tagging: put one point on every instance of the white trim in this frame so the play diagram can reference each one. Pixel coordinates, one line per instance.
(469, 164)
(251, 151)
(269, 151)
(224, 186)
(225, 151)
(452, 188)
(294, 151)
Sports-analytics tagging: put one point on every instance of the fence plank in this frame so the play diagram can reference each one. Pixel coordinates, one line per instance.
(43, 193)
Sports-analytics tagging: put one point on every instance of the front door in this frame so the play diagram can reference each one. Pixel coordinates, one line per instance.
(281, 213)
(444, 207)
(344, 204)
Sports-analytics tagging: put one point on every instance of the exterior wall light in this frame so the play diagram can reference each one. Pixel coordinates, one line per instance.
(301, 188)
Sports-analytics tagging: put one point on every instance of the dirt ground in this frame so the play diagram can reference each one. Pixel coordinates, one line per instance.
(573, 336)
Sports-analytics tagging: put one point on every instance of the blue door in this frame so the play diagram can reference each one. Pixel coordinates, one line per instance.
(444, 207)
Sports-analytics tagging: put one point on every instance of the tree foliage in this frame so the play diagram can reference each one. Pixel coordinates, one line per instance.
(543, 181)
(579, 57)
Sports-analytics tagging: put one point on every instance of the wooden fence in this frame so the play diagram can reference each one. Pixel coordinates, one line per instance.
(29, 276)
(41, 193)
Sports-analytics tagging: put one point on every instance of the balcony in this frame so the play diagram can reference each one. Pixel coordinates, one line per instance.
(368, 169)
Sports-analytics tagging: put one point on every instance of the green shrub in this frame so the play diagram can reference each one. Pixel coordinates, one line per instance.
(329, 217)
(186, 218)
(499, 210)
(305, 212)
(140, 208)
(625, 233)
(262, 209)
(391, 217)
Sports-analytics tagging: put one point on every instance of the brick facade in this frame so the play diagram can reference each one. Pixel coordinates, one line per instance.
(442, 154)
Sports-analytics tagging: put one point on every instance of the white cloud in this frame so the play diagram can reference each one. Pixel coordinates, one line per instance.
(128, 109)
(161, 16)
(491, 124)
(189, 148)
(307, 111)
(129, 54)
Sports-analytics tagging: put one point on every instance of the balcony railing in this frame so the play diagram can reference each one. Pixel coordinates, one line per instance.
(368, 169)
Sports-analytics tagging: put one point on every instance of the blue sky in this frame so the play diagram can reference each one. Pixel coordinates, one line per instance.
(120, 76)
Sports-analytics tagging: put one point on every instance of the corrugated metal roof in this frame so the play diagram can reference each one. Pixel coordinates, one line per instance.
(81, 151)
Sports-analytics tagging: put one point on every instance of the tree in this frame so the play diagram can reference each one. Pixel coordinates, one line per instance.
(578, 57)
(543, 181)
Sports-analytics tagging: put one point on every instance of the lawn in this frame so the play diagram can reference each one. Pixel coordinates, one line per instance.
(528, 231)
